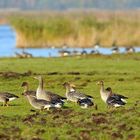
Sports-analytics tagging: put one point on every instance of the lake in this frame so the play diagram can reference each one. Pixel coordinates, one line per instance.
(8, 46)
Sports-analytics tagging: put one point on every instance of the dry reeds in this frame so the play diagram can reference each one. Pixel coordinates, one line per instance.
(82, 30)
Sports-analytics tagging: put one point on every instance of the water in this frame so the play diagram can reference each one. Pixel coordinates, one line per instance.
(8, 46)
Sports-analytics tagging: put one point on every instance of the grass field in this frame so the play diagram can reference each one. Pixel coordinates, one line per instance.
(121, 72)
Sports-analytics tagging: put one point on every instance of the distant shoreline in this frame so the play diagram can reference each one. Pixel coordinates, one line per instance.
(75, 29)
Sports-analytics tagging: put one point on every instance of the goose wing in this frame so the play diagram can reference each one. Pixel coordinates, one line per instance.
(80, 95)
(32, 92)
(85, 101)
(115, 101)
(43, 103)
(54, 96)
(120, 96)
(8, 95)
(53, 103)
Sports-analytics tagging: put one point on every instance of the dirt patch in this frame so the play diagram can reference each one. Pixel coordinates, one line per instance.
(99, 120)
(122, 126)
(64, 112)
(30, 119)
(42, 121)
(54, 73)
(84, 135)
(40, 131)
(117, 135)
(36, 138)
(69, 132)
(121, 79)
(137, 103)
(131, 137)
(77, 78)
(11, 74)
(73, 73)
(4, 137)
(91, 73)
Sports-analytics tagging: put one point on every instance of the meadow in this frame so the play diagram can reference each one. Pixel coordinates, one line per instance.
(77, 29)
(121, 72)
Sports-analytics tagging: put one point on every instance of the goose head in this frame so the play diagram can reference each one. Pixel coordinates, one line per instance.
(25, 85)
(100, 83)
(109, 90)
(38, 78)
(69, 86)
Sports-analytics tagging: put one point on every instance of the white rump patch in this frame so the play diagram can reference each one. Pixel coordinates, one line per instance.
(13, 98)
(58, 105)
(47, 106)
(117, 105)
(72, 89)
(123, 100)
(85, 106)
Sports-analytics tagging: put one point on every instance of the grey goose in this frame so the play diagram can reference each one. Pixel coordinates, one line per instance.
(110, 98)
(73, 95)
(41, 93)
(5, 97)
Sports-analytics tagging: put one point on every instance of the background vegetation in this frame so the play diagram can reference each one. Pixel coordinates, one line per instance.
(68, 4)
(121, 72)
(76, 29)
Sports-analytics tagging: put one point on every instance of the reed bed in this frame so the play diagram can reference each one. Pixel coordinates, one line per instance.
(75, 30)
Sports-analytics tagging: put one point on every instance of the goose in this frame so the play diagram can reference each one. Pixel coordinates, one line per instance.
(103, 92)
(5, 97)
(130, 50)
(111, 98)
(115, 50)
(47, 95)
(37, 103)
(73, 95)
(115, 100)
(32, 93)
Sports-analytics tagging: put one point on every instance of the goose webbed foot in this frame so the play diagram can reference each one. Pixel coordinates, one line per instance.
(5, 104)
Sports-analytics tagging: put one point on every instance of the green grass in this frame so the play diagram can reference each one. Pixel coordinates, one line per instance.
(121, 72)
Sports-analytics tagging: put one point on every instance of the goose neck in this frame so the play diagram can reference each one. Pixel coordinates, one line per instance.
(102, 87)
(26, 88)
(41, 84)
(69, 89)
(30, 98)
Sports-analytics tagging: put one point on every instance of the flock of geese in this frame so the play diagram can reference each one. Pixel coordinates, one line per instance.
(42, 99)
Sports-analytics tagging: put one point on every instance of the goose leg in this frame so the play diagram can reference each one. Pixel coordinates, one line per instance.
(42, 109)
(6, 104)
(95, 106)
(108, 106)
